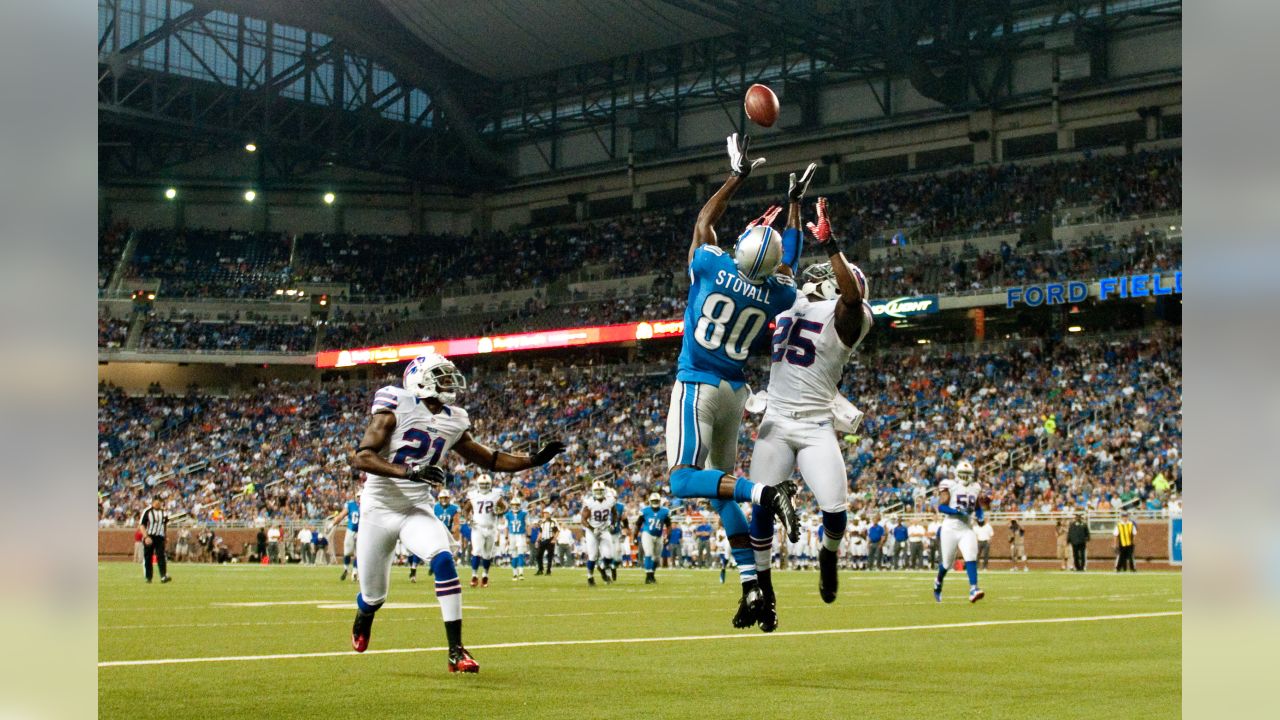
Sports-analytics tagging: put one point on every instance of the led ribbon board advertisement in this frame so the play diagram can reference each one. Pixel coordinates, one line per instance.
(544, 340)
(904, 306)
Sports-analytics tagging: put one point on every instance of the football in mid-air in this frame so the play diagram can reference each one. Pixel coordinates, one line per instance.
(761, 105)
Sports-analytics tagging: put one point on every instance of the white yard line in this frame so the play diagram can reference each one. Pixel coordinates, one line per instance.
(626, 641)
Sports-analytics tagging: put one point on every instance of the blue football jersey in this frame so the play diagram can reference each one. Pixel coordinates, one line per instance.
(517, 522)
(620, 516)
(446, 514)
(655, 520)
(724, 317)
(353, 515)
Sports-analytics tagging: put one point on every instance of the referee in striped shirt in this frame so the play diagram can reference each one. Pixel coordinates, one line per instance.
(152, 523)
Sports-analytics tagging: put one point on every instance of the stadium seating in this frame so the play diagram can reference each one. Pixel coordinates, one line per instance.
(282, 451)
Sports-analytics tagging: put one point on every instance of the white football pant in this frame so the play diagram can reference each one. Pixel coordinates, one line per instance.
(958, 535)
(483, 541)
(599, 544)
(785, 444)
(420, 531)
(702, 425)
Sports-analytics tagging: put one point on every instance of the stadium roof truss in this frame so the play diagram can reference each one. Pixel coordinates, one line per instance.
(180, 80)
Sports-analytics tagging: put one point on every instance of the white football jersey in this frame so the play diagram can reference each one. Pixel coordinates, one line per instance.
(483, 507)
(808, 356)
(420, 438)
(598, 511)
(963, 497)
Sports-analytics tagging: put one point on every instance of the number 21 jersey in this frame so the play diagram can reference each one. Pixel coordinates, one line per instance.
(420, 438)
(724, 317)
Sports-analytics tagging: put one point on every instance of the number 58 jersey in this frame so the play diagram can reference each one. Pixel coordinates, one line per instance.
(724, 317)
(809, 356)
(421, 437)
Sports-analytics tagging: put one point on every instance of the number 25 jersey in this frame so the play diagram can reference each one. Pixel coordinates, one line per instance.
(724, 317)
(420, 438)
(809, 356)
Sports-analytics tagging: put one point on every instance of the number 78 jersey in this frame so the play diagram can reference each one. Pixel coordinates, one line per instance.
(420, 438)
(724, 317)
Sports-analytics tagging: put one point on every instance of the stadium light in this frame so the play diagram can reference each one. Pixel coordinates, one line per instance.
(249, 195)
(279, 291)
(171, 193)
(923, 341)
(329, 198)
(250, 147)
(1074, 328)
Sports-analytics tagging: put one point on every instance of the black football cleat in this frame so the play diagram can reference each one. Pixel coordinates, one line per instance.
(461, 661)
(828, 575)
(165, 579)
(591, 580)
(769, 613)
(361, 630)
(783, 505)
(749, 606)
(343, 576)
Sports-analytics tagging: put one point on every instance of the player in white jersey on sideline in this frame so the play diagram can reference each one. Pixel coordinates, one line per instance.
(485, 505)
(812, 343)
(599, 513)
(959, 498)
(412, 428)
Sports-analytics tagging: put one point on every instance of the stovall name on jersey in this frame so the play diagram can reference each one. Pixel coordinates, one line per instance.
(735, 283)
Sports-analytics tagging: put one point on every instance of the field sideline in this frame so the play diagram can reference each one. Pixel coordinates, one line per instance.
(272, 642)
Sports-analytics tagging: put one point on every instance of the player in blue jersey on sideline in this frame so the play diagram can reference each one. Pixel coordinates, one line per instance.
(732, 299)
(517, 536)
(351, 513)
(652, 526)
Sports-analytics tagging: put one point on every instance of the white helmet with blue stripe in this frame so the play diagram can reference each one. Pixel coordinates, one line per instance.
(758, 252)
(431, 375)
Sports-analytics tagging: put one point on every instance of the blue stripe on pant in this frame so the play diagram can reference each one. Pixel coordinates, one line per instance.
(690, 437)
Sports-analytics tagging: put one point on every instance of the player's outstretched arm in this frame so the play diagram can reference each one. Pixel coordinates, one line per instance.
(740, 167)
(501, 461)
(849, 317)
(793, 235)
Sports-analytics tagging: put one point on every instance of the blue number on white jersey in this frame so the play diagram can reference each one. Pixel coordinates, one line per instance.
(724, 317)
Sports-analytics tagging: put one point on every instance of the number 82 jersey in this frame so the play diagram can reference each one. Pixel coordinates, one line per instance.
(725, 315)
(421, 437)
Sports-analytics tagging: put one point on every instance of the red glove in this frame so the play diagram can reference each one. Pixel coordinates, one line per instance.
(767, 217)
(822, 230)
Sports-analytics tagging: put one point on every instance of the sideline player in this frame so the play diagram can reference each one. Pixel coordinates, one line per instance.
(653, 526)
(485, 505)
(351, 513)
(812, 343)
(732, 299)
(412, 428)
(616, 530)
(958, 499)
(598, 514)
(517, 536)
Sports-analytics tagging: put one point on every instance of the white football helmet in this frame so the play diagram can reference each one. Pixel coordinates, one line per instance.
(444, 496)
(433, 376)
(484, 483)
(820, 280)
(516, 503)
(964, 471)
(758, 252)
(598, 490)
(655, 500)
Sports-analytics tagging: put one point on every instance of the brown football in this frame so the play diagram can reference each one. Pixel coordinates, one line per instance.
(761, 105)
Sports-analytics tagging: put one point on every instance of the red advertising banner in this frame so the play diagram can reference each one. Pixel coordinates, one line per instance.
(542, 340)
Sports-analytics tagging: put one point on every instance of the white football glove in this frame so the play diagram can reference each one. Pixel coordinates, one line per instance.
(798, 187)
(737, 154)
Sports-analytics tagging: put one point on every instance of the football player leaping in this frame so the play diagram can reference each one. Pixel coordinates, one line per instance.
(812, 344)
(732, 298)
(653, 526)
(958, 499)
(486, 505)
(598, 515)
(412, 429)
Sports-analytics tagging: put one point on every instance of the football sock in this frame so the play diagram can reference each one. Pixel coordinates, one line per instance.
(486, 562)
(942, 573)
(761, 536)
(971, 569)
(448, 586)
(746, 491)
(453, 632)
(591, 567)
(833, 525)
(688, 482)
(365, 606)
(475, 564)
(746, 559)
(648, 564)
(765, 578)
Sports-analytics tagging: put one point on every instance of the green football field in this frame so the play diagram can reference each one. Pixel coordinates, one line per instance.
(273, 642)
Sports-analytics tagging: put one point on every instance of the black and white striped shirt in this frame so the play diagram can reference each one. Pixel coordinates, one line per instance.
(153, 521)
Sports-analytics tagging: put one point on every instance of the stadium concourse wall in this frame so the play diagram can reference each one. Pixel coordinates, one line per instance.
(1041, 542)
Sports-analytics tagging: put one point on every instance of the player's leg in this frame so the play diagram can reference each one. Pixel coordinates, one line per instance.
(652, 552)
(821, 466)
(593, 549)
(373, 550)
(968, 543)
(606, 556)
(348, 552)
(425, 536)
(948, 545)
(772, 461)
(487, 546)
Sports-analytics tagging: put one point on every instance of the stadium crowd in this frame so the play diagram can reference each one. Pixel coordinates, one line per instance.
(1052, 425)
(376, 267)
(227, 336)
